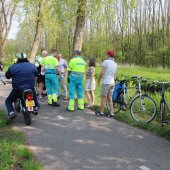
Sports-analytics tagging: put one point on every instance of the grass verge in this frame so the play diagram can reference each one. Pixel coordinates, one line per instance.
(13, 154)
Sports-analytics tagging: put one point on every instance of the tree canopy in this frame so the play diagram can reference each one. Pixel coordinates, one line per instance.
(139, 30)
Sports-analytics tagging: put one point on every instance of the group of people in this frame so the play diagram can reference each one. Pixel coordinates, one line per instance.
(51, 71)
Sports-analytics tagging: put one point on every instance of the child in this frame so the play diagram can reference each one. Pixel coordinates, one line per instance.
(90, 82)
(1, 78)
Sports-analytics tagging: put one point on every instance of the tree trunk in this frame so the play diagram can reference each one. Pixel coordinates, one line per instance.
(1, 51)
(6, 18)
(80, 24)
(36, 41)
(1, 44)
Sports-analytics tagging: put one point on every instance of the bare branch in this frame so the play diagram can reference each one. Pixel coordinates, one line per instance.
(10, 22)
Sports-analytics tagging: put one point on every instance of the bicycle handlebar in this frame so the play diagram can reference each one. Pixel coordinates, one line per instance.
(136, 77)
(123, 81)
(160, 82)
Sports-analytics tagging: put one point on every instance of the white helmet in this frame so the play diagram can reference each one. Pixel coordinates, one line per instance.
(21, 56)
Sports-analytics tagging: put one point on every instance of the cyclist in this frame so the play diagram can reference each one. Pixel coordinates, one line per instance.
(109, 68)
(76, 70)
(23, 74)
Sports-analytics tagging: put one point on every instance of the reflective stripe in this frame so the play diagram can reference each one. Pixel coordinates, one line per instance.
(76, 74)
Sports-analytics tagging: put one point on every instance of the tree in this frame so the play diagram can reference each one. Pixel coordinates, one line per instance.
(7, 11)
(80, 23)
(38, 30)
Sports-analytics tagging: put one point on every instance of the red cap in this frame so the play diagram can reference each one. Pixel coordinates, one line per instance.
(111, 53)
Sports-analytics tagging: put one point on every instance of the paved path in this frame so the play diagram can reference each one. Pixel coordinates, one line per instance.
(77, 141)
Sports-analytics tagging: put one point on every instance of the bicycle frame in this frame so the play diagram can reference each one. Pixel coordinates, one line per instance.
(163, 99)
(137, 91)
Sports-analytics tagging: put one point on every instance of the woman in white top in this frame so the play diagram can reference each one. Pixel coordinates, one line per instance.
(90, 82)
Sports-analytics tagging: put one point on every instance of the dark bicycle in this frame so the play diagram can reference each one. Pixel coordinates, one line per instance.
(163, 103)
(142, 107)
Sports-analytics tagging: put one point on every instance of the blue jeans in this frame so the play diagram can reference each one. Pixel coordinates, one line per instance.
(14, 95)
(76, 84)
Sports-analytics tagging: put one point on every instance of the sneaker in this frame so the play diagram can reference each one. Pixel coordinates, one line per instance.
(65, 98)
(11, 117)
(88, 106)
(123, 107)
(35, 112)
(42, 100)
(111, 115)
(69, 110)
(98, 113)
(80, 109)
(56, 104)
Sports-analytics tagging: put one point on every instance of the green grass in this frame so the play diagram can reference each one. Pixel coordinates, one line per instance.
(151, 75)
(13, 153)
(147, 73)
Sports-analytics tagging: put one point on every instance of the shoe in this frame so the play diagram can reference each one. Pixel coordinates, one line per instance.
(11, 117)
(42, 99)
(69, 110)
(88, 106)
(123, 107)
(56, 104)
(111, 115)
(80, 109)
(65, 98)
(35, 112)
(99, 114)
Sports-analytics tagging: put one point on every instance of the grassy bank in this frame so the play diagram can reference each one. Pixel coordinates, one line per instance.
(150, 75)
(13, 153)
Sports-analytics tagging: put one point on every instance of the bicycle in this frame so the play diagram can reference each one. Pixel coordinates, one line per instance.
(142, 107)
(163, 103)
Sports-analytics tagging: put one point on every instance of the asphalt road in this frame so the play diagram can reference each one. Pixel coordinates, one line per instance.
(79, 140)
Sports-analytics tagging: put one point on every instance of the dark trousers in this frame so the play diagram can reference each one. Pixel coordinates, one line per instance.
(13, 96)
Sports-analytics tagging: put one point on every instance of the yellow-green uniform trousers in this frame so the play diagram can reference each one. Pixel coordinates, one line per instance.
(77, 68)
(51, 80)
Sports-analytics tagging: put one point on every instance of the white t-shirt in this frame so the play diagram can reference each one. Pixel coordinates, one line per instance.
(111, 68)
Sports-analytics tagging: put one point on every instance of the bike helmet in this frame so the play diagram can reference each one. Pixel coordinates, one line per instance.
(21, 56)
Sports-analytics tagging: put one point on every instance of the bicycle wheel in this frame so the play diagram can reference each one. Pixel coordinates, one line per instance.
(143, 109)
(162, 111)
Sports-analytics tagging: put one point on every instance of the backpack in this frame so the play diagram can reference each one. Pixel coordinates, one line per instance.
(119, 88)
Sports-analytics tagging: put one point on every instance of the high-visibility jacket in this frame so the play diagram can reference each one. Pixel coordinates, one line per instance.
(77, 64)
(50, 63)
